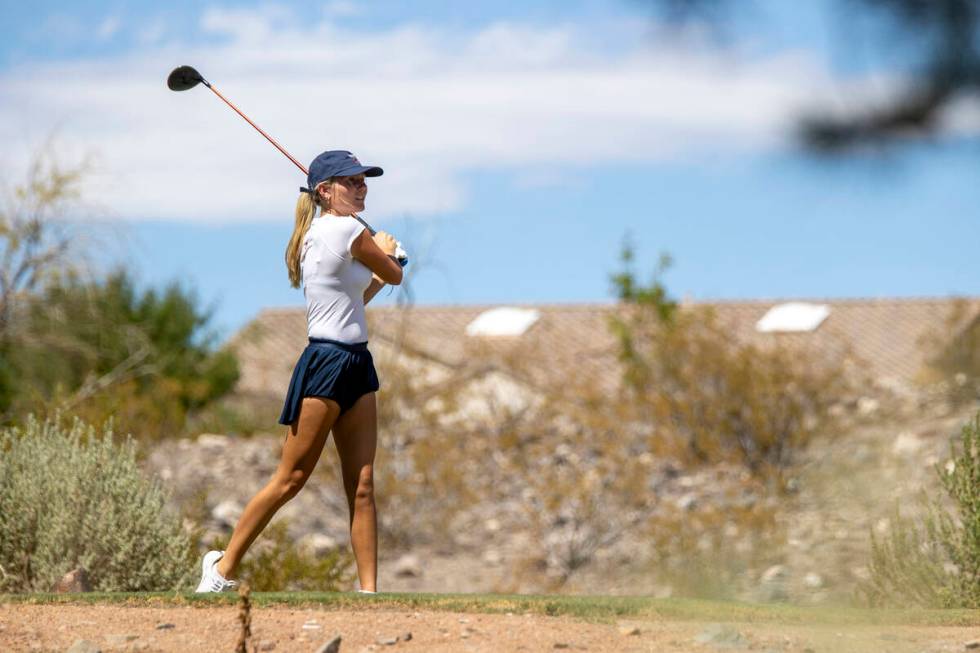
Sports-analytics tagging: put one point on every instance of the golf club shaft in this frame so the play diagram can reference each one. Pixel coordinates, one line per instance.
(259, 129)
(278, 147)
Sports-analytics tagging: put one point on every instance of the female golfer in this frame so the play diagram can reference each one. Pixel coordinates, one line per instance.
(334, 382)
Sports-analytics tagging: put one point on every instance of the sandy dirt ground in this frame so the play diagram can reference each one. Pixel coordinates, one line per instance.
(204, 629)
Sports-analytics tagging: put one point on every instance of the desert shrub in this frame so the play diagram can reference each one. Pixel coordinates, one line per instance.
(36, 243)
(592, 482)
(72, 496)
(953, 355)
(711, 551)
(934, 561)
(236, 415)
(712, 397)
(277, 564)
(426, 471)
(584, 476)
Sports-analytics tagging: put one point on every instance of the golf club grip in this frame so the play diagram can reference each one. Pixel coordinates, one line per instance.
(400, 255)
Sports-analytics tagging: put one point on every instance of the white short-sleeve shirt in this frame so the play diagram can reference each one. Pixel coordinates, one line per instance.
(333, 281)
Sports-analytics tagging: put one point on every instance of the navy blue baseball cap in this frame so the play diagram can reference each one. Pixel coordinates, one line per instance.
(337, 163)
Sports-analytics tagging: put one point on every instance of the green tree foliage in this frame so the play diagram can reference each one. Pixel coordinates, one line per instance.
(35, 243)
(105, 348)
(934, 561)
(71, 496)
(718, 397)
(93, 346)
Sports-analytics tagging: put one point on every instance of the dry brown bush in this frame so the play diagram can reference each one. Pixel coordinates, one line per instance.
(712, 551)
(712, 398)
(953, 351)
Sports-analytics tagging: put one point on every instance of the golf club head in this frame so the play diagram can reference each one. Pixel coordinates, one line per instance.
(183, 78)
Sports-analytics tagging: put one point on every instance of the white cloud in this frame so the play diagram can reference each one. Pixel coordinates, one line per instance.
(247, 25)
(962, 116)
(342, 9)
(427, 104)
(108, 27)
(152, 33)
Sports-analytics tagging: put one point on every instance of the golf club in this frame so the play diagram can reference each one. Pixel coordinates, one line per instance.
(184, 78)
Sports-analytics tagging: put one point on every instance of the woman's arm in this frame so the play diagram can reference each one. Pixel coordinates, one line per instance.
(372, 290)
(377, 254)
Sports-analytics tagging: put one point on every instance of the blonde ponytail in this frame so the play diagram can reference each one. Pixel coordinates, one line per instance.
(305, 210)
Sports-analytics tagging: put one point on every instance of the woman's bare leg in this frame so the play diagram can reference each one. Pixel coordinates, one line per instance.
(356, 435)
(300, 452)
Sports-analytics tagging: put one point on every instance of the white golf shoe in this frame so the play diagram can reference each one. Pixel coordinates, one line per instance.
(211, 580)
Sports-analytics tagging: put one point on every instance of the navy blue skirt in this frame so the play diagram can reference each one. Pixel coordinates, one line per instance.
(335, 370)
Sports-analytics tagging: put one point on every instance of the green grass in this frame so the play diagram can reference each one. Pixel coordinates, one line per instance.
(589, 608)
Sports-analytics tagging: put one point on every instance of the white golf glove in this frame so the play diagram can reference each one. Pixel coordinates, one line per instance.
(401, 254)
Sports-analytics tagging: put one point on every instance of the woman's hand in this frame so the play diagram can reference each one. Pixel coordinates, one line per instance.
(386, 242)
(377, 254)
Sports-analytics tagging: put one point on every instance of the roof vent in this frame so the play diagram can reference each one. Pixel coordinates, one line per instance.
(504, 321)
(793, 317)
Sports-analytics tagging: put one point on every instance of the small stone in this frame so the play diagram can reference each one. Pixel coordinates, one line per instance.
(165, 626)
(119, 640)
(721, 635)
(492, 557)
(75, 580)
(266, 645)
(386, 641)
(562, 645)
(774, 573)
(407, 637)
(773, 584)
(408, 566)
(906, 443)
(629, 631)
(84, 646)
(227, 513)
(813, 580)
(861, 573)
(333, 646)
(970, 646)
(687, 501)
(212, 441)
(312, 625)
(867, 406)
(319, 544)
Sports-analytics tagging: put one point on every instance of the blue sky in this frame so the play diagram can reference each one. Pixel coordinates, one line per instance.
(521, 146)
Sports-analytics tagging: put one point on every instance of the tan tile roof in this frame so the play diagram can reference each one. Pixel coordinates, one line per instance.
(575, 338)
